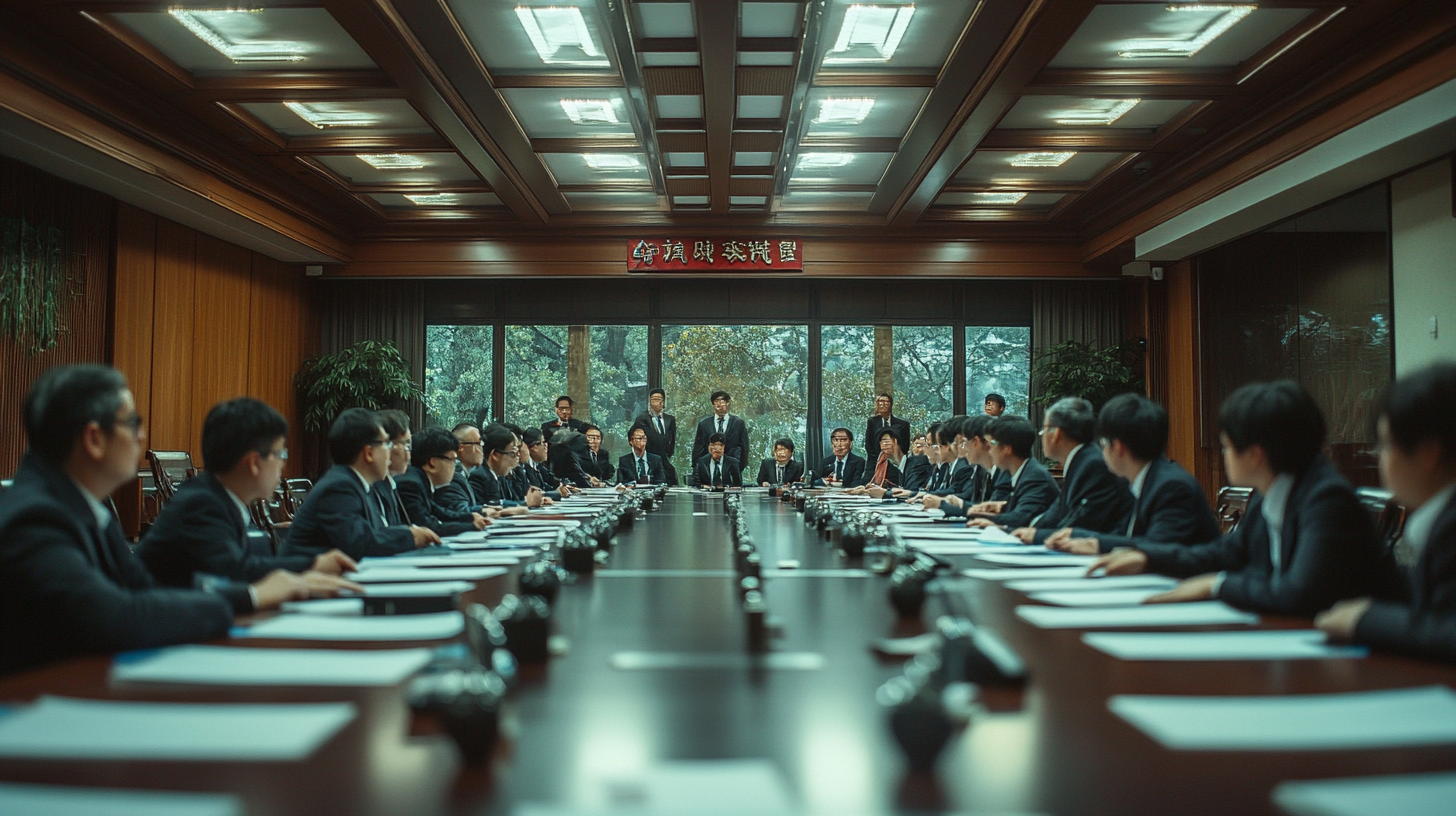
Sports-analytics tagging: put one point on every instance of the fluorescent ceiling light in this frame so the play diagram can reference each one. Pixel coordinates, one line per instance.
(431, 199)
(819, 161)
(590, 111)
(391, 161)
(843, 111)
(869, 33)
(1106, 116)
(202, 21)
(996, 198)
(611, 161)
(1040, 159)
(326, 119)
(1157, 49)
(560, 36)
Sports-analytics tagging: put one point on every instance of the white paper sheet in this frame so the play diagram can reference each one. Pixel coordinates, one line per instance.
(230, 666)
(417, 589)
(1035, 558)
(1404, 795)
(720, 787)
(1013, 574)
(1202, 613)
(348, 607)
(1084, 584)
(50, 800)
(1109, 597)
(523, 546)
(1264, 645)
(432, 626)
(950, 548)
(63, 728)
(482, 559)
(525, 522)
(1306, 722)
(400, 575)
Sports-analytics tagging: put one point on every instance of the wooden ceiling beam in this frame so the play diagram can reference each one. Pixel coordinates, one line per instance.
(853, 144)
(715, 19)
(597, 80)
(877, 79)
(1104, 139)
(599, 144)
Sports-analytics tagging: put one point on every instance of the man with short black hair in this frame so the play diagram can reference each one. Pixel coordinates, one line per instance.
(995, 405)
(1169, 504)
(1033, 489)
(563, 421)
(841, 468)
(717, 469)
(432, 466)
(639, 466)
(782, 469)
(1091, 495)
(661, 431)
(1305, 541)
(600, 462)
(457, 500)
(968, 484)
(340, 513)
(1418, 465)
(205, 528)
(733, 430)
(884, 418)
(916, 468)
(493, 482)
(536, 453)
(396, 426)
(69, 584)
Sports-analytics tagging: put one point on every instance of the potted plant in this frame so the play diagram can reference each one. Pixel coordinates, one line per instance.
(1074, 369)
(369, 374)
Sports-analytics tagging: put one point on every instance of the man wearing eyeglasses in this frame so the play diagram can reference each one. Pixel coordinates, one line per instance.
(1092, 497)
(432, 466)
(339, 512)
(457, 500)
(564, 420)
(206, 529)
(493, 481)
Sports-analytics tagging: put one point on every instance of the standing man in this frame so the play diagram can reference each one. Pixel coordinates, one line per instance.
(661, 431)
(995, 405)
(639, 466)
(732, 428)
(563, 421)
(601, 460)
(883, 419)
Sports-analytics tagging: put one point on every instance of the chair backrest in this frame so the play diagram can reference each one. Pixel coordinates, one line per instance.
(169, 469)
(1388, 516)
(294, 492)
(1233, 502)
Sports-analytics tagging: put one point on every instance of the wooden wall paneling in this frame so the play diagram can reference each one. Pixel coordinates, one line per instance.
(132, 288)
(1181, 377)
(172, 337)
(281, 336)
(220, 321)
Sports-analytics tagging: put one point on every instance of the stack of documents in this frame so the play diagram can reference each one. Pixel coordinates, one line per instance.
(1085, 584)
(1265, 645)
(1039, 558)
(231, 666)
(1305, 722)
(63, 728)
(1108, 597)
(431, 626)
(1405, 795)
(1202, 613)
(50, 800)
(1026, 572)
(474, 559)
(402, 574)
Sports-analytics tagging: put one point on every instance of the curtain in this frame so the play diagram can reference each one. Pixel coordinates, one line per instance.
(386, 310)
(1085, 311)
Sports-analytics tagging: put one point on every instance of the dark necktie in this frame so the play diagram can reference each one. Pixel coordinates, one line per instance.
(720, 424)
(838, 470)
(781, 475)
(641, 472)
(717, 475)
(658, 420)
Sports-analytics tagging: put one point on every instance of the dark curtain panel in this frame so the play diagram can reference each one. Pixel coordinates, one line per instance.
(1085, 311)
(389, 310)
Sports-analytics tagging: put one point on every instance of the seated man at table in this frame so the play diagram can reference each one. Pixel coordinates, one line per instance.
(537, 472)
(396, 426)
(977, 469)
(1091, 495)
(886, 472)
(715, 469)
(205, 528)
(1418, 465)
(69, 584)
(841, 468)
(432, 465)
(1305, 541)
(599, 463)
(937, 459)
(782, 469)
(340, 513)
(494, 482)
(567, 451)
(915, 470)
(639, 466)
(1169, 504)
(1033, 489)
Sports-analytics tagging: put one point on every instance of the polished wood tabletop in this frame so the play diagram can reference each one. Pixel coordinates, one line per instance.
(668, 596)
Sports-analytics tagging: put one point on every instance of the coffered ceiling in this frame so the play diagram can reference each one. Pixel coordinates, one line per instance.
(432, 118)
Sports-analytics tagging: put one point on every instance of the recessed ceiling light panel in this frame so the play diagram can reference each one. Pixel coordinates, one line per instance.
(391, 161)
(996, 198)
(1107, 112)
(870, 33)
(560, 36)
(834, 111)
(1228, 17)
(330, 118)
(822, 161)
(611, 161)
(590, 111)
(1040, 159)
(212, 27)
(431, 199)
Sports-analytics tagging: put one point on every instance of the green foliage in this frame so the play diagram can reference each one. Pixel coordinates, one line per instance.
(458, 371)
(34, 276)
(1073, 369)
(618, 382)
(368, 374)
(535, 372)
(924, 357)
(998, 360)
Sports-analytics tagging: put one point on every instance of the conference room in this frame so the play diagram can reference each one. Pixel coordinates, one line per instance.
(724, 407)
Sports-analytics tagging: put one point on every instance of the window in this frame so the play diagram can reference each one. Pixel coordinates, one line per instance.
(535, 372)
(924, 385)
(764, 368)
(848, 381)
(458, 373)
(618, 382)
(998, 361)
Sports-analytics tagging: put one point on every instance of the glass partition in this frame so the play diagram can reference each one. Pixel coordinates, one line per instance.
(458, 373)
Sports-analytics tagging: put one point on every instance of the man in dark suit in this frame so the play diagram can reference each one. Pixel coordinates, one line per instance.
(972, 458)
(1169, 503)
(916, 469)
(1305, 541)
(566, 453)
(1418, 465)
(841, 468)
(661, 431)
(600, 461)
(884, 418)
(781, 469)
(1033, 489)
(716, 469)
(457, 501)
(432, 466)
(882, 472)
(639, 466)
(731, 428)
(534, 464)
(1091, 495)
(994, 406)
(493, 482)
(339, 512)
(69, 584)
(205, 528)
(563, 421)
(396, 427)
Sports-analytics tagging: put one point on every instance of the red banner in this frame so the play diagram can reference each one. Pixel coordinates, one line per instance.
(714, 255)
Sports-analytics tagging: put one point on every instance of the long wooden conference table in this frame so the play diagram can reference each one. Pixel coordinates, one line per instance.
(655, 670)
